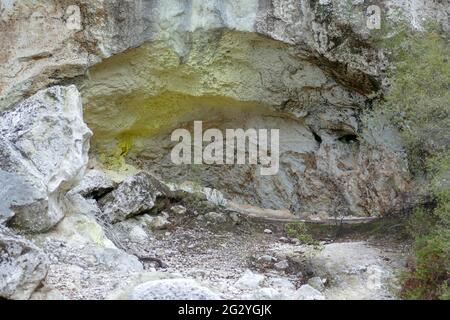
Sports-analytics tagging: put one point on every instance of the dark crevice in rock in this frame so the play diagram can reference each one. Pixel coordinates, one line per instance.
(349, 138)
(317, 138)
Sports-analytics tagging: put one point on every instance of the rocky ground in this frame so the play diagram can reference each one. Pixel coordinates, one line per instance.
(136, 70)
(229, 257)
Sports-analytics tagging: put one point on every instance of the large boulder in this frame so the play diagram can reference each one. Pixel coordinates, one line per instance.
(135, 195)
(306, 292)
(44, 151)
(22, 266)
(172, 289)
(94, 184)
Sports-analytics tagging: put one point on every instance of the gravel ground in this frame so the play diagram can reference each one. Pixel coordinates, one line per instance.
(238, 259)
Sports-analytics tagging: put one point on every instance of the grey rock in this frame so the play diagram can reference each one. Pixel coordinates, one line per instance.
(114, 259)
(22, 266)
(134, 196)
(131, 230)
(282, 284)
(215, 217)
(306, 292)
(267, 259)
(284, 240)
(266, 294)
(317, 283)
(281, 265)
(159, 222)
(172, 289)
(94, 184)
(44, 151)
(178, 210)
(250, 280)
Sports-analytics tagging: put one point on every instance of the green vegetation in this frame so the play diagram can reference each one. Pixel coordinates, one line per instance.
(429, 277)
(300, 231)
(418, 104)
(419, 100)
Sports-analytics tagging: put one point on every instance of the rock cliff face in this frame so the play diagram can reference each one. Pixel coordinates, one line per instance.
(140, 69)
(145, 68)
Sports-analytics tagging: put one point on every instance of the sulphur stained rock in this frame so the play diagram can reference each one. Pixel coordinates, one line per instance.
(135, 195)
(81, 239)
(325, 164)
(94, 184)
(44, 146)
(46, 41)
(172, 289)
(22, 266)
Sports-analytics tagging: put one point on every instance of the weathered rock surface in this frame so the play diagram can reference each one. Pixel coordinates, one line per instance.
(81, 239)
(355, 270)
(306, 292)
(22, 266)
(172, 289)
(95, 184)
(308, 68)
(327, 165)
(315, 60)
(44, 44)
(135, 195)
(250, 280)
(43, 145)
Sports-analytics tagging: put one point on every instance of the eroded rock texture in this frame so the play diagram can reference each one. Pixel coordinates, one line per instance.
(43, 145)
(46, 41)
(22, 266)
(310, 68)
(146, 67)
(330, 163)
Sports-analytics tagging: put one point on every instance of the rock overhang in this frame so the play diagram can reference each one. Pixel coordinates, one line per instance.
(235, 79)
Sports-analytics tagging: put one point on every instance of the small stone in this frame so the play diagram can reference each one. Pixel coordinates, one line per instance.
(284, 240)
(267, 231)
(267, 259)
(235, 217)
(281, 265)
(160, 223)
(138, 235)
(317, 283)
(178, 210)
(215, 218)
